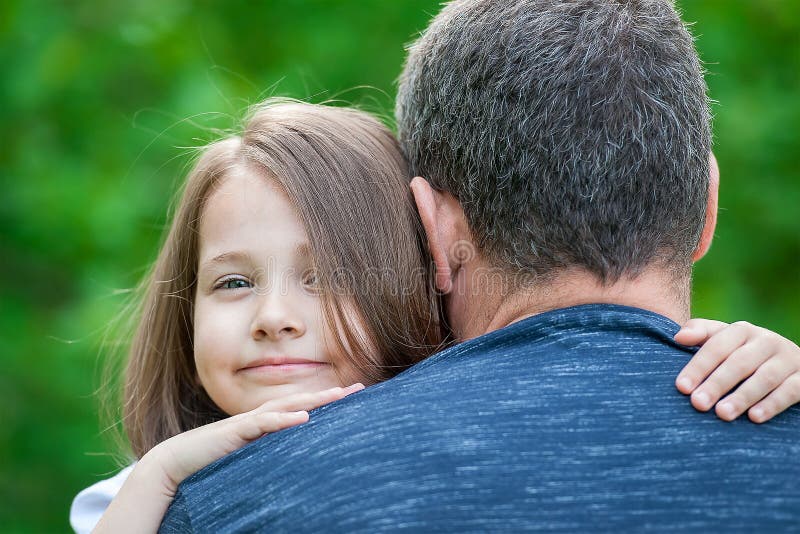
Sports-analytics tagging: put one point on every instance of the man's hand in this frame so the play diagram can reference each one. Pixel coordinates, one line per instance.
(766, 364)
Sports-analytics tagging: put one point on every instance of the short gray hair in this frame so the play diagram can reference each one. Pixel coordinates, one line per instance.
(574, 134)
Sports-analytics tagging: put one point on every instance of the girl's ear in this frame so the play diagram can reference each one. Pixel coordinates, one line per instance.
(428, 203)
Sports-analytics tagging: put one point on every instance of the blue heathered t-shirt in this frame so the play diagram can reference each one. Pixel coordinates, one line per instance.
(565, 421)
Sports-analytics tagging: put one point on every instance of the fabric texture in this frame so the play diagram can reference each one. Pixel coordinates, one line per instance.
(90, 504)
(565, 421)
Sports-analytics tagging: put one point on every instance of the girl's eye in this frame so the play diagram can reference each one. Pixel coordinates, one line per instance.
(233, 283)
(311, 279)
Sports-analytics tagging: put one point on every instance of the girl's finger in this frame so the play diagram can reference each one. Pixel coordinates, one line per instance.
(258, 424)
(784, 396)
(275, 415)
(708, 358)
(741, 363)
(313, 400)
(766, 379)
(697, 331)
(309, 401)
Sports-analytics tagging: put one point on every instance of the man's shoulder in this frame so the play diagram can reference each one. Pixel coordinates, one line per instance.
(546, 419)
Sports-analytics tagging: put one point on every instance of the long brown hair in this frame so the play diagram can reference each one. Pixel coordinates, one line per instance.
(344, 173)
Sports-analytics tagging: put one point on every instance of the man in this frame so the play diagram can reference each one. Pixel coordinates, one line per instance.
(565, 146)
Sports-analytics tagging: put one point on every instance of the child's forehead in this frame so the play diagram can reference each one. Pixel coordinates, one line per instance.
(250, 214)
(243, 198)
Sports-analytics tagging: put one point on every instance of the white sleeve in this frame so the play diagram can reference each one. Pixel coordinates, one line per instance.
(89, 505)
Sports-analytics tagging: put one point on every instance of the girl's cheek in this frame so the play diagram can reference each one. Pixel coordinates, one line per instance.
(218, 317)
(215, 328)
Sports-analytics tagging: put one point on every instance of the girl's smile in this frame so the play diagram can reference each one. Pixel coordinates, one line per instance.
(281, 366)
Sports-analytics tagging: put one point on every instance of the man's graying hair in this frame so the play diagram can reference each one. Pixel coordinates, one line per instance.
(573, 133)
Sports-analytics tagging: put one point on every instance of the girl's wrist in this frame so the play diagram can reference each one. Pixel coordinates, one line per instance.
(142, 501)
(150, 471)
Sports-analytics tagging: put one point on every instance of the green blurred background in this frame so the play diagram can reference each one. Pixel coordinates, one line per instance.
(101, 103)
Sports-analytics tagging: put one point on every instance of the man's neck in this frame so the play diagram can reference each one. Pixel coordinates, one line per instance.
(482, 306)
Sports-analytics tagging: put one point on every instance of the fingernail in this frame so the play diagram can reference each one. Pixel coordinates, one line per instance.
(703, 399)
(685, 383)
(725, 409)
(355, 387)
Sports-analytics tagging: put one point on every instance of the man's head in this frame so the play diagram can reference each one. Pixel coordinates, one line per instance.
(572, 134)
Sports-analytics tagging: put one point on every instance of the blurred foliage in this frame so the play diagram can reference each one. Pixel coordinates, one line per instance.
(102, 103)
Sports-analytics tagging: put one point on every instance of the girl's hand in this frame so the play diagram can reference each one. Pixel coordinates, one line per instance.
(768, 365)
(186, 453)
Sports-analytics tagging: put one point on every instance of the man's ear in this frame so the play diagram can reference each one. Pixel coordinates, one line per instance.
(428, 203)
(711, 210)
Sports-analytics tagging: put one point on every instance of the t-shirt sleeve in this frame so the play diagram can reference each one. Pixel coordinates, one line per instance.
(176, 520)
(90, 504)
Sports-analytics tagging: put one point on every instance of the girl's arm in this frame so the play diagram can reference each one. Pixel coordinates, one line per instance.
(766, 364)
(147, 493)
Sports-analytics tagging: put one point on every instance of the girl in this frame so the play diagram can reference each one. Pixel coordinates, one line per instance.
(295, 265)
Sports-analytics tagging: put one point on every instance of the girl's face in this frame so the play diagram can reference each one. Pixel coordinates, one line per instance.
(259, 331)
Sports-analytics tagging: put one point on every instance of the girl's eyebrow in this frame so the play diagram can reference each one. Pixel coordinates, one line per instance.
(303, 250)
(226, 257)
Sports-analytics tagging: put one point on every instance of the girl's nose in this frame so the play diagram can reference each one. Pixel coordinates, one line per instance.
(275, 319)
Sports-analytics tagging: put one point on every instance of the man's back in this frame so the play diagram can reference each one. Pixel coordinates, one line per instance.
(568, 420)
